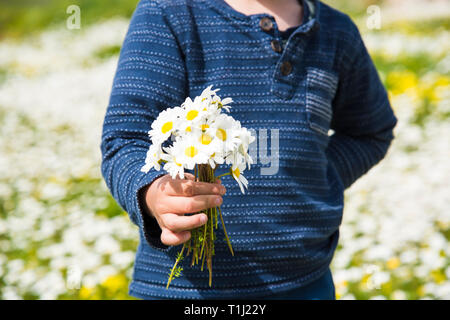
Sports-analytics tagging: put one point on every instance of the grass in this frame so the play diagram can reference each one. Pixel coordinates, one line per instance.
(420, 28)
(19, 18)
(419, 64)
(107, 52)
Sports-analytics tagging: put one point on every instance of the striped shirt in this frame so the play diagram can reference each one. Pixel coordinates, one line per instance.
(318, 108)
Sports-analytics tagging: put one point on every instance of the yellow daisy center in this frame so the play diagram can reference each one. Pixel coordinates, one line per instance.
(175, 161)
(191, 115)
(191, 151)
(221, 134)
(205, 139)
(204, 127)
(237, 172)
(167, 127)
(188, 129)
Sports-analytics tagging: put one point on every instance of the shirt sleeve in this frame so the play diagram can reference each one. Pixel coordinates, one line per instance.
(363, 120)
(150, 77)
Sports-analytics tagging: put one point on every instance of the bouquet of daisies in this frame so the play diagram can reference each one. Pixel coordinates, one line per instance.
(198, 136)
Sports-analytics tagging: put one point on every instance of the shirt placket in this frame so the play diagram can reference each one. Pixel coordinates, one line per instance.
(289, 62)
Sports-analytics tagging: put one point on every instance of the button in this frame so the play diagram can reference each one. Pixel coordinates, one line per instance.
(276, 46)
(286, 68)
(266, 24)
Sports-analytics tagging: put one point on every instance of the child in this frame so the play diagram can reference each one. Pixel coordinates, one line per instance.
(315, 83)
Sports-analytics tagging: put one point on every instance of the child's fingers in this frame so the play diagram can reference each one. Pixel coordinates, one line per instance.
(182, 205)
(177, 223)
(189, 176)
(189, 188)
(170, 238)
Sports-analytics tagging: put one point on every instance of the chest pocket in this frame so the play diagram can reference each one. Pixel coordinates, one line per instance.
(321, 88)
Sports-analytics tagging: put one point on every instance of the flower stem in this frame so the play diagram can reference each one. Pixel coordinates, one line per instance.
(202, 239)
(225, 231)
(222, 175)
(179, 258)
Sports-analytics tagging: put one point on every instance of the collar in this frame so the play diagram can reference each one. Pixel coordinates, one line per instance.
(311, 25)
(312, 9)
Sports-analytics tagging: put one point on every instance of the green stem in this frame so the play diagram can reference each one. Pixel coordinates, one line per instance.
(203, 261)
(180, 256)
(203, 241)
(215, 216)
(222, 175)
(225, 231)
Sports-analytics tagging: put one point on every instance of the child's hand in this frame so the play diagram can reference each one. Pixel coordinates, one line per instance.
(168, 200)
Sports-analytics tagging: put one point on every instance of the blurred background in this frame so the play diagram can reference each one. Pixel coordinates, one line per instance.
(62, 236)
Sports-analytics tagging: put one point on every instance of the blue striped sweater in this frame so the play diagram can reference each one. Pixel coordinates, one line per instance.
(319, 100)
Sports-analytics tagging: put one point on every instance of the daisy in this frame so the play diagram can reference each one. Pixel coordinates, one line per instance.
(222, 104)
(192, 114)
(246, 138)
(172, 166)
(225, 129)
(216, 158)
(211, 147)
(236, 172)
(215, 100)
(207, 122)
(207, 92)
(153, 159)
(164, 125)
(189, 151)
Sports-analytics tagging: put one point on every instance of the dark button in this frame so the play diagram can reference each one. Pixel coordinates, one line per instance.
(276, 46)
(286, 68)
(266, 24)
